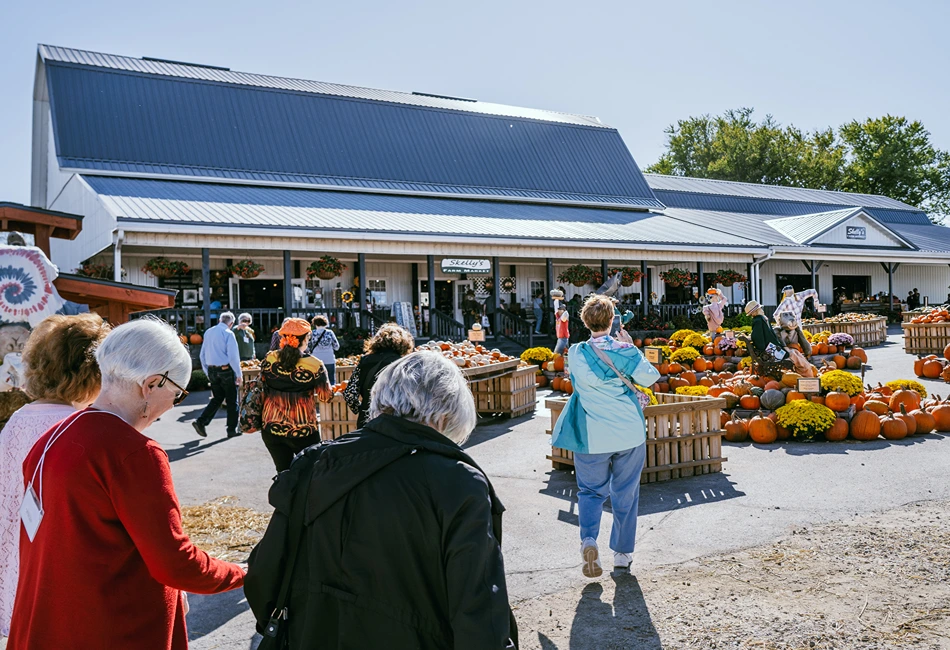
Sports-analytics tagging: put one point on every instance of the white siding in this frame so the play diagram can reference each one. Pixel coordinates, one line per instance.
(876, 236)
(98, 226)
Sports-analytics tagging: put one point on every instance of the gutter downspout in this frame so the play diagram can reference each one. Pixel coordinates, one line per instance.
(117, 255)
(756, 263)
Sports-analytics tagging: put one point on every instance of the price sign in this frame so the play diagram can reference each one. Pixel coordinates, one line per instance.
(822, 309)
(653, 354)
(809, 385)
(476, 336)
(729, 334)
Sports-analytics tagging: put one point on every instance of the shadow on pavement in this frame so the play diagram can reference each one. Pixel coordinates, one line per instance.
(654, 497)
(598, 624)
(843, 447)
(191, 448)
(504, 426)
(209, 613)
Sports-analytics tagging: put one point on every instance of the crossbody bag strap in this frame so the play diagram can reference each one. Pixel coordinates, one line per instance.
(606, 359)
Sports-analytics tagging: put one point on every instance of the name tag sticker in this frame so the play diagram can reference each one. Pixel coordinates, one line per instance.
(31, 513)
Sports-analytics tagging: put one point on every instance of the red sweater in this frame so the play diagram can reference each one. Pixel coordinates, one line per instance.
(110, 556)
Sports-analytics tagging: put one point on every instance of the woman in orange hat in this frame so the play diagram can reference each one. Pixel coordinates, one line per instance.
(293, 381)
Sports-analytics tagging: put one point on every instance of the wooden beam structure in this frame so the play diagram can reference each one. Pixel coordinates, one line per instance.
(42, 224)
(114, 301)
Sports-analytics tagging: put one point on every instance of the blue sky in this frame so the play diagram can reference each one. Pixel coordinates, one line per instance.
(638, 66)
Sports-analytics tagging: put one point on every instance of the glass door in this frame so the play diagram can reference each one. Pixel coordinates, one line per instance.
(464, 306)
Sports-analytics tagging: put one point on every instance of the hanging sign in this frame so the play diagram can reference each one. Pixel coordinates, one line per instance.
(462, 265)
(857, 232)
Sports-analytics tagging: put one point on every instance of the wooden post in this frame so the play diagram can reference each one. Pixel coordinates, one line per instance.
(41, 236)
(361, 257)
(549, 278)
(644, 288)
(415, 284)
(495, 296)
(702, 281)
(206, 285)
(430, 269)
(603, 270)
(288, 286)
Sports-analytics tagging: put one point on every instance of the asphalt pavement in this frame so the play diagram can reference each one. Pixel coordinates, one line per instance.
(763, 493)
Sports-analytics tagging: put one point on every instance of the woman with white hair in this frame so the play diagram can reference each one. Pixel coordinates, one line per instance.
(102, 526)
(400, 544)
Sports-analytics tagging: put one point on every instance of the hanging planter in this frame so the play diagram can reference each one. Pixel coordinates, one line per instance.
(678, 278)
(727, 278)
(98, 271)
(325, 268)
(164, 268)
(629, 275)
(578, 275)
(246, 269)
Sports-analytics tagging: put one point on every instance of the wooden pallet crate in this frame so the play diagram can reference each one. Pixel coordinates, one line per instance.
(926, 338)
(336, 419)
(343, 373)
(493, 387)
(523, 389)
(683, 437)
(866, 333)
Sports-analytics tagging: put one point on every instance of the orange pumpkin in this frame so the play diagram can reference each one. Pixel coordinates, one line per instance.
(762, 430)
(773, 385)
(858, 401)
(893, 428)
(541, 381)
(839, 361)
(838, 431)
(736, 430)
(556, 383)
(718, 364)
(919, 367)
(925, 421)
(663, 368)
(706, 381)
(663, 387)
(793, 395)
(941, 415)
(195, 339)
(700, 364)
(859, 353)
(750, 402)
(675, 369)
(567, 387)
(781, 432)
(865, 425)
(876, 407)
(558, 363)
(724, 418)
(903, 397)
(946, 353)
(689, 376)
(817, 399)
(853, 363)
(838, 401)
(677, 382)
(708, 350)
(907, 419)
(932, 369)
(183, 339)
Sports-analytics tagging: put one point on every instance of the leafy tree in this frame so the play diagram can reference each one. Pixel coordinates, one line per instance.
(890, 156)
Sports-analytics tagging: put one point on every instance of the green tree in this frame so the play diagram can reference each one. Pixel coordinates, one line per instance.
(890, 156)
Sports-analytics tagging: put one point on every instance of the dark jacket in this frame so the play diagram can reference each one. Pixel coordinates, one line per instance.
(401, 547)
(762, 335)
(362, 382)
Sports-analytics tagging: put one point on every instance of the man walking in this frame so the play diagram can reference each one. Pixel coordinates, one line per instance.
(221, 362)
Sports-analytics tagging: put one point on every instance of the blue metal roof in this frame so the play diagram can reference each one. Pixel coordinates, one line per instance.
(254, 206)
(129, 122)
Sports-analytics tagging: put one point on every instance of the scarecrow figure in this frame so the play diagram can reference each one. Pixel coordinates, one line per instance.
(790, 333)
(794, 302)
(714, 311)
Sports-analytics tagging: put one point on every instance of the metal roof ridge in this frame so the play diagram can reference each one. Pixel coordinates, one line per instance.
(46, 54)
(724, 232)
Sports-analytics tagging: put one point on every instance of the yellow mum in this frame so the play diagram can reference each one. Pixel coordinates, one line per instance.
(841, 381)
(908, 384)
(684, 354)
(700, 391)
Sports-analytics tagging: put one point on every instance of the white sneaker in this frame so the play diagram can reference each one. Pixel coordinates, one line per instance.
(591, 557)
(622, 560)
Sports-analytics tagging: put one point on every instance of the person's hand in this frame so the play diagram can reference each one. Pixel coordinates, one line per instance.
(239, 381)
(243, 567)
(184, 602)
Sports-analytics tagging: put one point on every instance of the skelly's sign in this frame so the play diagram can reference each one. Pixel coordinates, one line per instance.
(461, 265)
(857, 232)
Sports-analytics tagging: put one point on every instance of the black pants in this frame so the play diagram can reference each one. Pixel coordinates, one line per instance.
(223, 389)
(283, 448)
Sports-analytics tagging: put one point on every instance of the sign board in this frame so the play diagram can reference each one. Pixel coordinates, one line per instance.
(653, 354)
(822, 309)
(463, 265)
(476, 336)
(728, 334)
(857, 232)
(809, 385)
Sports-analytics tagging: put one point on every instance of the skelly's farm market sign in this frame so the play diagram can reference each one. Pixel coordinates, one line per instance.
(459, 265)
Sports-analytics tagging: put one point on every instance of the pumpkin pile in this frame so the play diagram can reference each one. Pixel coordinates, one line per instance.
(465, 354)
(346, 362)
(935, 315)
(933, 367)
(846, 317)
(193, 339)
(251, 364)
(340, 387)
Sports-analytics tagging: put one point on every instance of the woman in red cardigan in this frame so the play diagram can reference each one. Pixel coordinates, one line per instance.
(108, 561)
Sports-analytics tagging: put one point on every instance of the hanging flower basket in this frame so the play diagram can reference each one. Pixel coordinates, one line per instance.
(629, 275)
(678, 278)
(325, 268)
(164, 268)
(727, 278)
(597, 280)
(578, 275)
(98, 271)
(246, 269)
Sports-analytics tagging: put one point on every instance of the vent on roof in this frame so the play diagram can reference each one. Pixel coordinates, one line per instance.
(459, 99)
(194, 65)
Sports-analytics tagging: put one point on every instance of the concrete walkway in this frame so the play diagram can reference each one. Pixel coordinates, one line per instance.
(763, 493)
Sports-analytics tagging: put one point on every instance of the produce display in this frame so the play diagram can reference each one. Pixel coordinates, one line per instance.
(465, 354)
(933, 367)
(849, 317)
(933, 315)
(346, 362)
(251, 364)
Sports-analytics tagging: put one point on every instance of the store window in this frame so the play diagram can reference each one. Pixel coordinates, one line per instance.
(537, 288)
(800, 282)
(851, 287)
(377, 292)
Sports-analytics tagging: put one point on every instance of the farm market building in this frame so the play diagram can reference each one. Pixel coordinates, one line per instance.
(209, 166)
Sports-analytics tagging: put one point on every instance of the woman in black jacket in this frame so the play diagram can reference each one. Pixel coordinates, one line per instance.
(390, 343)
(395, 530)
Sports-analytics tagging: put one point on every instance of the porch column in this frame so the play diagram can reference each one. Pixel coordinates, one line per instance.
(890, 268)
(495, 296)
(430, 270)
(645, 288)
(603, 270)
(415, 284)
(206, 285)
(361, 260)
(117, 256)
(549, 278)
(41, 236)
(702, 282)
(288, 286)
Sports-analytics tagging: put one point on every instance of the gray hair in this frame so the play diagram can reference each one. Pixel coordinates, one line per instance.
(245, 318)
(226, 317)
(427, 388)
(133, 352)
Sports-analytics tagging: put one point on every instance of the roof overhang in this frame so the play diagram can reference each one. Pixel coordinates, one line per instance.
(26, 219)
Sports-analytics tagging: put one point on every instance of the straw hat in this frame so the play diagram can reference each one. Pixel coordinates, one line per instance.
(751, 307)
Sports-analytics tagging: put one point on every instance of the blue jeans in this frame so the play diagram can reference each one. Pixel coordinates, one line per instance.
(615, 474)
(538, 316)
(562, 344)
(331, 372)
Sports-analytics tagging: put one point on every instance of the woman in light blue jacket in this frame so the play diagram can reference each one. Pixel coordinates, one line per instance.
(323, 343)
(603, 425)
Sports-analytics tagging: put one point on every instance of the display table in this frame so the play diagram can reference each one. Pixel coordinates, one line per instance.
(865, 333)
(683, 437)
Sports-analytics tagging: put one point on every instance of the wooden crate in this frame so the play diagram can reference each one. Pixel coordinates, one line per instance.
(926, 338)
(522, 387)
(865, 333)
(336, 419)
(683, 437)
(493, 386)
(247, 376)
(343, 373)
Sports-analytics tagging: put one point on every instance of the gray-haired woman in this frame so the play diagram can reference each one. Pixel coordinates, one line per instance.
(398, 516)
(107, 489)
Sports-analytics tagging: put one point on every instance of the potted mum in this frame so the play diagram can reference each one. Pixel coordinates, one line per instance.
(246, 269)
(578, 275)
(162, 267)
(629, 275)
(325, 268)
(676, 277)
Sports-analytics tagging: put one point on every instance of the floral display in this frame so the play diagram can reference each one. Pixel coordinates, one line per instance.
(696, 341)
(684, 354)
(746, 362)
(697, 391)
(805, 419)
(99, 271)
(537, 355)
(325, 268)
(907, 384)
(726, 345)
(246, 269)
(578, 275)
(727, 277)
(839, 380)
(162, 267)
(841, 339)
(629, 275)
(681, 335)
(676, 277)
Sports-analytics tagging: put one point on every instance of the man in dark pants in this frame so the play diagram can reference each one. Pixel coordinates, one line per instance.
(222, 363)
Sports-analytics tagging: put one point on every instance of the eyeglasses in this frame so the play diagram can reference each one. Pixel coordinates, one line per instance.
(182, 394)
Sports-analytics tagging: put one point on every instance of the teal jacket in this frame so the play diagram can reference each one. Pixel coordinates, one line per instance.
(603, 415)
